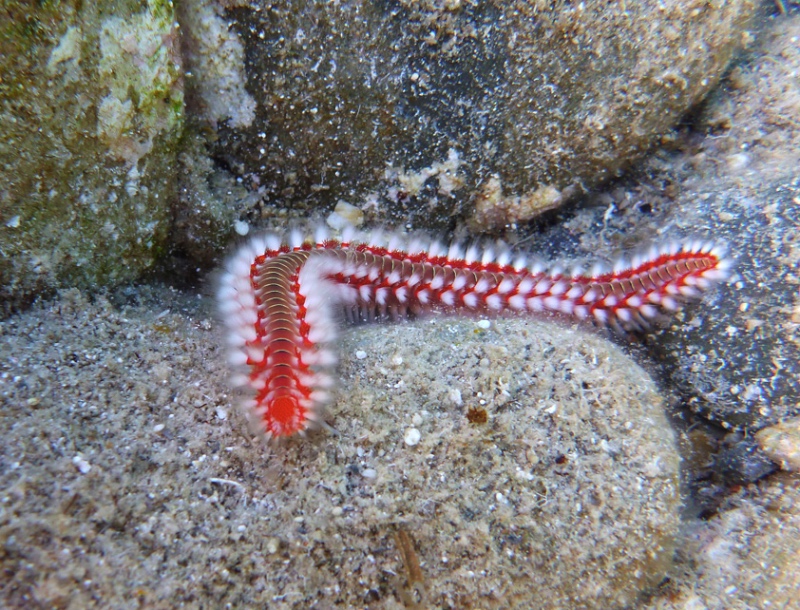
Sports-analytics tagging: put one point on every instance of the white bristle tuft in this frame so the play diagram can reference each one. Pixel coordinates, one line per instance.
(624, 314)
(460, 281)
(506, 286)
(321, 234)
(472, 255)
(537, 267)
(396, 242)
(350, 234)
(296, 238)
(648, 311)
(455, 253)
(599, 269)
(417, 246)
(482, 286)
(542, 286)
(436, 250)
(517, 302)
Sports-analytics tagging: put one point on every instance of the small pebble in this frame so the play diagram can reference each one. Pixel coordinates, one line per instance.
(241, 227)
(81, 464)
(484, 324)
(781, 443)
(343, 215)
(412, 437)
(361, 354)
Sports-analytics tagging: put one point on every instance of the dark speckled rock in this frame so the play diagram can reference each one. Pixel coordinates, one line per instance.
(537, 100)
(734, 358)
(737, 356)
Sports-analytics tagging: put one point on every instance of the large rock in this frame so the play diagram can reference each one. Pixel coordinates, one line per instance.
(524, 465)
(429, 110)
(91, 106)
(734, 359)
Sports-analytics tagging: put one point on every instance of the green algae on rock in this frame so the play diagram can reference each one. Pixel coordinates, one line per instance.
(542, 100)
(91, 106)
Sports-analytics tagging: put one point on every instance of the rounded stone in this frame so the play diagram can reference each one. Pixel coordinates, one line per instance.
(564, 493)
(781, 443)
(429, 110)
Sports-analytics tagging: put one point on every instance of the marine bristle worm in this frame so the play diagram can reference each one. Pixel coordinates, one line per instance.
(281, 299)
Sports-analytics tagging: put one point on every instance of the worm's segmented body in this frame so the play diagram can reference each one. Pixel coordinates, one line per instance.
(281, 299)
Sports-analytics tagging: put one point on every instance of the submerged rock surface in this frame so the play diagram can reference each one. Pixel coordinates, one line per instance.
(91, 109)
(522, 465)
(497, 111)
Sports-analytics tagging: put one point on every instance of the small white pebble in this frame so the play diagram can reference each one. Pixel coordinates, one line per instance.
(81, 464)
(13, 222)
(221, 413)
(412, 437)
(361, 354)
(484, 324)
(241, 227)
(344, 215)
(454, 396)
(397, 360)
(272, 546)
(369, 473)
(241, 528)
(158, 427)
(416, 419)
(337, 511)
